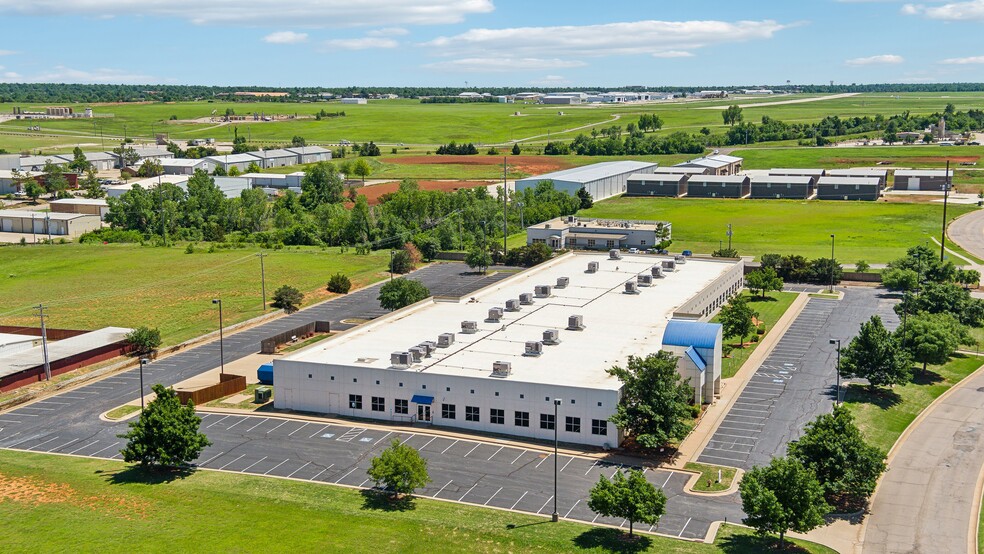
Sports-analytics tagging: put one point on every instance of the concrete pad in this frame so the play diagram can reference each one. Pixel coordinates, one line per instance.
(246, 367)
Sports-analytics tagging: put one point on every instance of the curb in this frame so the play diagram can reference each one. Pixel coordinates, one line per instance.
(688, 486)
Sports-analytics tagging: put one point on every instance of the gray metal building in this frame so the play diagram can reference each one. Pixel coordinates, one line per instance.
(310, 154)
(240, 161)
(782, 186)
(651, 184)
(870, 172)
(601, 180)
(275, 158)
(848, 188)
(598, 234)
(921, 179)
(718, 186)
(815, 173)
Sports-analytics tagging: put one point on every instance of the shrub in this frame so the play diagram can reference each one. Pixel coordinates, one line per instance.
(111, 235)
(760, 330)
(143, 339)
(755, 338)
(190, 249)
(339, 284)
(288, 299)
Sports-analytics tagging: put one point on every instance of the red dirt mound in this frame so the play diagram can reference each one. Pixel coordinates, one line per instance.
(534, 165)
(374, 192)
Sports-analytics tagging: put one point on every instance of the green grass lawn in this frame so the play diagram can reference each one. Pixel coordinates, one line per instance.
(876, 232)
(88, 286)
(56, 503)
(122, 411)
(883, 416)
(867, 156)
(769, 312)
(709, 474)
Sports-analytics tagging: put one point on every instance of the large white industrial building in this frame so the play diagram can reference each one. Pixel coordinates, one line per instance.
(601, 180)
(495, 362)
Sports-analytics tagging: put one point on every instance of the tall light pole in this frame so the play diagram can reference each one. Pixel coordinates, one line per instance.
(392, 257)
(946, 196)
(555, 517)
(263, 281)
(143, 361)
(729, 237)
(837, 370)
(221, 347)
(831, 290)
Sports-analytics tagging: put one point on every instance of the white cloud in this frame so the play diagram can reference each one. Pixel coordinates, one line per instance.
(883, 59)
(285, 37)
(550, 81)
(964, 61)
(313, 13)
(673, 54)
(10, 76)
(953, 11)
(7, 52)
(497, 65)
(388, 32)
(638, 37)
(363, 43)
(63, 74)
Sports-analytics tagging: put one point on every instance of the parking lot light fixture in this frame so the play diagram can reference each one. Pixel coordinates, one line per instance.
(221, 346)
(837, 370)
(554, 516)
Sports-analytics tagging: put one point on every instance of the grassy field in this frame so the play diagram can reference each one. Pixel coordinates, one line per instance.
(708, 481)
(769, 312)
(88, 286)
(883, 416)
(54, 503)
(870, 231)
(868, 156)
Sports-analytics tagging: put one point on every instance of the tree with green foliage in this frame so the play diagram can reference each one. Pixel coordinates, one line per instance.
(219, 171)
(143, 339)
(401, 292)
(945, 298)
(370, 149)
(655, 404)
(732, 115)
(321, 184)
(429, 246)
(54, 179)
(516, 150)
(151, 167)
(339, 284)
(899, 279)
(736, 318)
(874, 354)
(650, 122)
(127, 155)
(969, 278)
(764, 280)
(833, 447)
(782, 496)
(79, 164)
(862, 266)
(932, 338)
(253, 167)
(297, 141)
(632, 498)
(725, 252)
(479, 258)
(33, 190)
(585, 197)
(400, 469)
(288, 299)
(361, 168)
(91, 185)
(166, 435)
(233, 171)
(824, 271)
(400, 262)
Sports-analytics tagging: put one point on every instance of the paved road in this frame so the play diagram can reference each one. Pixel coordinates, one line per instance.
(968, 232)
(796, 382)
(926, 501)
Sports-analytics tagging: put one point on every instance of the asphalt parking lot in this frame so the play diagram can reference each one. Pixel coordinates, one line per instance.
(462, 470)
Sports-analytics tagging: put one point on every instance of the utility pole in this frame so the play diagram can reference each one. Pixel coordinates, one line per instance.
(505, 205)
(946, 196)
(263, 281)
(44, 343)
(729, 236)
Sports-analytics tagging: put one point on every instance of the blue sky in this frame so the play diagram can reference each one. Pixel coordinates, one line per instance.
(491, 42)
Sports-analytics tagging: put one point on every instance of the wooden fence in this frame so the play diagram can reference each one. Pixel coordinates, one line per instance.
(269, 345)
(228, 384)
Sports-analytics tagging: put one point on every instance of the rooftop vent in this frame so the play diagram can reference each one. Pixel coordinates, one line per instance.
(469, 327)
(542, 291)
(680, 259)
(668, 265)
(644, 280)
(533, 348)
(495, 314)
(631, 287)
(429, 348)
(592, 267)
(501, 369)
(657, 271)
(445, 340)
(614, 254)
(400, 360)
(575, 323)
(526, 298)
(512, 305)
(562, 282)
(551, 337)
(417, 354)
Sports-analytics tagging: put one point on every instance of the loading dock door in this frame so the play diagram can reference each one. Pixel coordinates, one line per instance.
(8, 225)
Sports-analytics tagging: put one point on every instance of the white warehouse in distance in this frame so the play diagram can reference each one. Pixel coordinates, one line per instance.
(601, 180)
(494, 363)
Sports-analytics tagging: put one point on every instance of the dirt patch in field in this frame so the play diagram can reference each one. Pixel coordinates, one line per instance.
(374, 192)
(36, 491)
(914, 159)
(534, 165)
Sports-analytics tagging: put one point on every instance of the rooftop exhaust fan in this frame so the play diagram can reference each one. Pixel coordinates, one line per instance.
(614, 254)
(533, 348)
(469, 327)
(562, 282)
(526, 298)
(657, 271)
(631, 287)
(680, 259)
(542, 291)
(644, 280)
(592, 267)
(417, 354)
(495, 314)
(512, 305)
(668, 265)
(575, 323)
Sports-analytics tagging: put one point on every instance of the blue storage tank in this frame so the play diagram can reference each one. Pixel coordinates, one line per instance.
(265, 374)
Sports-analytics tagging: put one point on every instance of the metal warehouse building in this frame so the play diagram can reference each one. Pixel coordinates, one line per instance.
(792, 172)
(921, 179)
(87, 206)
(869, 172)
(601, 180)
(496, 362)
(651, 184)
(782, 186)
(848, 188)
(47, 223)
(598, 234)
(718, 186)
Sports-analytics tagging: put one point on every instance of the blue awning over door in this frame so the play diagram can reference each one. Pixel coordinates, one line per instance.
(420, 399)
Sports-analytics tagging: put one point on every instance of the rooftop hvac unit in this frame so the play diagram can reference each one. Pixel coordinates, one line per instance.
(562, 282)
(469, 327)
(631, 287)
(614, 254)
(445, 340)
(526, 298)
(657, 271)
(501, 369)
(575, 323)
(417, 354)
(571, 219)
(668, 265)
(400, 360)
(542, 291)
(680, 259)
(428, 347)
(533, 348)
(551, 337)
(592, 267)
(495, 314)
(644, 280)
(512, 305)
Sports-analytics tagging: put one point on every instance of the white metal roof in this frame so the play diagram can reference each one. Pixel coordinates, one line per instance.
(233, 158)
(27, 214)
(922, 173)
(305, 150)
(796, 171)
(81, 201)
(858, 172)
(182, 162)
(676, 177)
(696, 179)
(277, 153)
(848, 181)
(617, 325)
(783, 179)
(58, 350)
(593, 172)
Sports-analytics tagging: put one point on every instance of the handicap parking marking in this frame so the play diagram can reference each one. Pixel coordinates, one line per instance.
(366, 439)
(351, 434)
(327, 435)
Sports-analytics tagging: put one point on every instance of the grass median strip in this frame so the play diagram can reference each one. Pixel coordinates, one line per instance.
(709, 481)
(770, 310)
(122, 411)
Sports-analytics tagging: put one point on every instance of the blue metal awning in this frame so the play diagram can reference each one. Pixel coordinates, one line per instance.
(421, 399)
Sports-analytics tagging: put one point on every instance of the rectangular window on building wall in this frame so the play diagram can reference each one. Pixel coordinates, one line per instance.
(401, 406)
(355, 401)
(378, 404)
(547, 421)
(447, 411)
(471, 413)
(573, 425)
(591, 243)
(522, 419)
(610, 244)
(497, 416)
(599, 427)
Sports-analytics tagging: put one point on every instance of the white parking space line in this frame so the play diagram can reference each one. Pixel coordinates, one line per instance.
(472, 450)
(316, 433)
(729, 460)
(210, 459)
(57, 448)
(494, 453)
(322, 471)
(734, 436)
(467, 491)
(83, 447)
(37, 408)
(689, 519)
(441, 489)
(298, 469)
(257, 425)
(412, 435)
(449, 446)
(518, 457)
(572, 508)
(53, 402)
(518, 501)
(422, 447)
(667, 480)
(237, 459)
(43, 443)
(306, 423)
(104, 449)
(542, 460)
(278, 426)
(381, 439)
(216, 422)
(10, 421)
(362, 484)
(567, 464)
(236, 423)
(252, 464)
(493, 496)
(276, 466)
(346, 475)
(545, 504)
